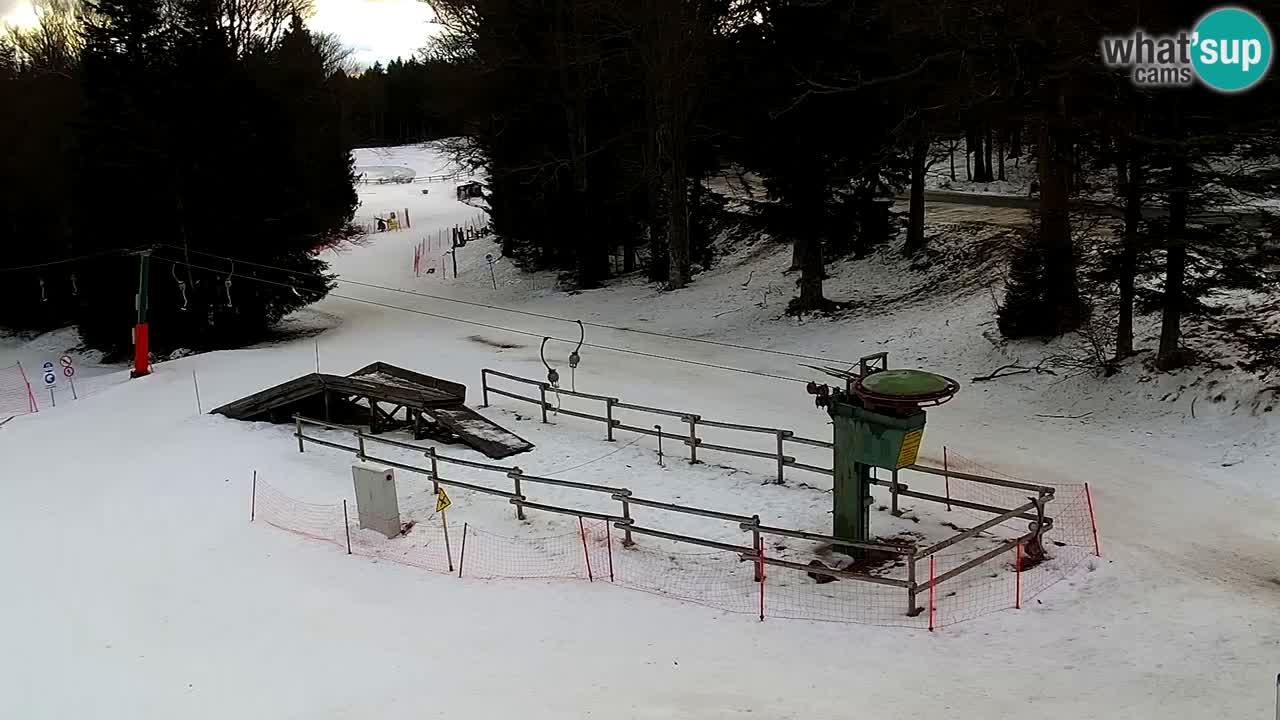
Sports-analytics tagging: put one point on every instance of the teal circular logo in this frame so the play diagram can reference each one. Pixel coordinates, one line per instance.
(1231, 49)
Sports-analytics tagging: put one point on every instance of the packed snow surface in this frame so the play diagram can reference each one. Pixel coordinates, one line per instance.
(137, 588)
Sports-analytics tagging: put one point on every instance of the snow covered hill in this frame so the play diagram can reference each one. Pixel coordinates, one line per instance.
(137, 588)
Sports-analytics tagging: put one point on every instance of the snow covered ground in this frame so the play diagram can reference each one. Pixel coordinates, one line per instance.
(138, 589)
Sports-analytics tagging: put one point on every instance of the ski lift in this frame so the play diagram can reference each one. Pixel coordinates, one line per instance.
(575, 358)
(182, 287)
(227, 285)
(553, 376)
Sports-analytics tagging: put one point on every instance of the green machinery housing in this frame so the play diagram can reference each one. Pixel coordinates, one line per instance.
(877, 422)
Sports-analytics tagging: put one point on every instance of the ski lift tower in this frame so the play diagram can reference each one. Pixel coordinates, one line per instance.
(877, 422)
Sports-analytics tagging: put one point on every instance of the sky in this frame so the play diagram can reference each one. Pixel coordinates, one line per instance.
(374, 29)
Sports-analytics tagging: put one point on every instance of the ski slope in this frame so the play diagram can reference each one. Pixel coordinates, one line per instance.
(137, 588)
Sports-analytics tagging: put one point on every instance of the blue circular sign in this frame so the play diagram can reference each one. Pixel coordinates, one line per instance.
(1232, 49)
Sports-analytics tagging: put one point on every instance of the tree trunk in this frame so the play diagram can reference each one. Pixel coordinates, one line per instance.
(1170, 355)
(699, 220)
(628, 258)
(968, 148)
(1062, 294)
(1015, 141)
(915, 216)
(1130, 178)
(1000, 155)
(677, 218)
(951, 146)
(990, 175)
(809, 251)
(658, 265)
(979, 172)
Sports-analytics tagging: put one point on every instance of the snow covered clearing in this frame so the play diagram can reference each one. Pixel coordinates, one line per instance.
(138, 588)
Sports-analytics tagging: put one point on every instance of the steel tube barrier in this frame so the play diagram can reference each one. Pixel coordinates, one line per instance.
(1010, 515)
(750, 524)
(616, 520)
(713, 514)
(833, 572)
(975, 562)
(692, 441)
(817, 537)
(1029, 487)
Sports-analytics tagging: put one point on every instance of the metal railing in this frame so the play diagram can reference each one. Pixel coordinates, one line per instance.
(689, 438)
(1033, 510)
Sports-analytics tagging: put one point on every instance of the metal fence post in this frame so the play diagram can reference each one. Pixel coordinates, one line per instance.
(608, 414)
(484, 388)
(435, 470)
(298, 432)
(693, 438)
(782, 459)
(360, 442)
(519, 498)
(346, 525)
(912, 610)
(757, 544)
(542, 401)
(658, 428)
(893, 495)
(626, 515)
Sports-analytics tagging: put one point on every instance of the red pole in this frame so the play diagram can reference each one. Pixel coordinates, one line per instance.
(1092, 520)
(141, 352)
(930, 593)
(608, 543)
(31, 397)
(583, 533)
(762, 579)
(1017, 593)
(946, 478)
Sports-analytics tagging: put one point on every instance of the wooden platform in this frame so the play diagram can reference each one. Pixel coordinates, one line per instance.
(430, 407)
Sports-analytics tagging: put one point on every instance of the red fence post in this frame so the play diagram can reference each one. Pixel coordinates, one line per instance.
(31, 397)
(1088, 495)
(1017, 592)
(582, 531)
(930, 593)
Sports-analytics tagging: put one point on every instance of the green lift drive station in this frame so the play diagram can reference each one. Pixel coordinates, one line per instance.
(878, 422)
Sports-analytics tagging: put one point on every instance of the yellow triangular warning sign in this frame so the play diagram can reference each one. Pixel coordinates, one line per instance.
(442, 500)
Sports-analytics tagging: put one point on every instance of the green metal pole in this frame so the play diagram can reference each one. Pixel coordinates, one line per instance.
(144, 284)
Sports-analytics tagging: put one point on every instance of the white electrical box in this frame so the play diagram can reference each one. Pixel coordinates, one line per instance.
(376, 503)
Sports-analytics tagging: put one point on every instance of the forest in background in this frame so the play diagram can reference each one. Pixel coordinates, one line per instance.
(598, 124)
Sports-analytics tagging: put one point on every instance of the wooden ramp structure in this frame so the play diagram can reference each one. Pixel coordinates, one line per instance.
(383, 398)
